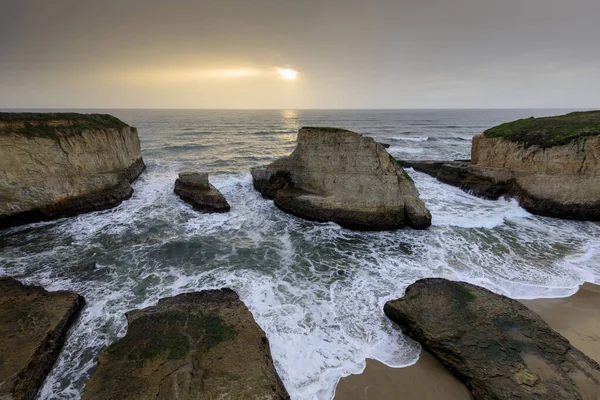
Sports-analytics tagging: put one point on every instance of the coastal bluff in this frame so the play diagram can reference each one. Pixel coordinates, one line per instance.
(55, 165)
(344, 177)
(551, 165)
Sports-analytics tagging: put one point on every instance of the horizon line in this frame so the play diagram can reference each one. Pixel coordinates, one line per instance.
(300, 109)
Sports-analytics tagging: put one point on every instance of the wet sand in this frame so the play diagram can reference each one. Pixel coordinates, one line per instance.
(576, 317)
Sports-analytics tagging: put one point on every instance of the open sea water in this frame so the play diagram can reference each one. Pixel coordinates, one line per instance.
(316, 289)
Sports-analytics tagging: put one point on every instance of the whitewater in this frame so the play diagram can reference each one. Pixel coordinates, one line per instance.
(316, 289)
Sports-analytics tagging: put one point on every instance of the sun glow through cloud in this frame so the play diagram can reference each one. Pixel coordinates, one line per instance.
(287, 73)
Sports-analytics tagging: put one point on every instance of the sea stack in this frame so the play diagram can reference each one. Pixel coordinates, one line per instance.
(194, 188)
(202, 345)
(54, 165)
(33, 329)
(341, 176)
(551, 165)
(498, 347)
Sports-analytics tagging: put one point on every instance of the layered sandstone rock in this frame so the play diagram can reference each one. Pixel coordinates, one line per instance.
(496, 345)
(551, 165)
(341, 176)
(62, 164)
(33, 329)
(194, 188)
(203, 345)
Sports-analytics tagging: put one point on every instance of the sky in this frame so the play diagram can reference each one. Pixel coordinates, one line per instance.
(347, 54)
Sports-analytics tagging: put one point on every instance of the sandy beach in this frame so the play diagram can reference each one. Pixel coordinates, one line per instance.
(576, 317)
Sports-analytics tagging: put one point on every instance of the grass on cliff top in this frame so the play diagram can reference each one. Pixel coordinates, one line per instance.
(38, 124)
(549, 131)
(326, 129)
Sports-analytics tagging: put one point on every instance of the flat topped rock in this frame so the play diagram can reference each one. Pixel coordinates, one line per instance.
(194, 188)
(203, 345)
(341, 176)
(33, 329)
(496, 345)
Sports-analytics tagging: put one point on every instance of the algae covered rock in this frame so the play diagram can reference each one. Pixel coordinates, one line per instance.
(33, 329)
(54, 165)
(194, 188)
(340, 176)
(203, 345)
(498, 347)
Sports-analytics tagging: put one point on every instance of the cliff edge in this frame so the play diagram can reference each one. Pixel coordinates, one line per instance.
(54, 165)
(551, 165)
(341, 176)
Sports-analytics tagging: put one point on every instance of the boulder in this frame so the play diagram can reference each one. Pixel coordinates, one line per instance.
(551, 165)
(33, 329)
(203, 345)
(54, 165)
(498, 347)
(194, 188)
(341, 176)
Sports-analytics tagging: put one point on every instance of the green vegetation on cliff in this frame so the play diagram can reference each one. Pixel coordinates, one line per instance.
(52, 125)
(549, 131)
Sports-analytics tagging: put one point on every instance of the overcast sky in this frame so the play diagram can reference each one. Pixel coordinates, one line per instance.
(348, 53)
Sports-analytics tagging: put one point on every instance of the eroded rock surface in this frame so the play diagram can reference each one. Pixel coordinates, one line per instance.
(203, 345)
(33, 329)
(54, 165)
(341, 176)
(551, 165)
(496, 345)
(194, 188)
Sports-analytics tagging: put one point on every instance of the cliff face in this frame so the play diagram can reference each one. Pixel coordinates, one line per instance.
(341, 176)
(53, 165)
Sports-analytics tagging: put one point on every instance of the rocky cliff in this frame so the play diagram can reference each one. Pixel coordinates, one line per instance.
(203, 345)
(61, 164)
(551, 165)
(340, 176)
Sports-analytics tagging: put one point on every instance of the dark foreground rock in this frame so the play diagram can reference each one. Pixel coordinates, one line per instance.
(496, 345)
(340, 176)
(33, 329)
(203, 345)
(55, 165)
(551, 165)
(194, 188)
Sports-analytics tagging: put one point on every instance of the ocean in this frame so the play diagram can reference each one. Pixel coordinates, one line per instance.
(316, 289)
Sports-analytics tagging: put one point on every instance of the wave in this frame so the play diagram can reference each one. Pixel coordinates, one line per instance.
(409, 139)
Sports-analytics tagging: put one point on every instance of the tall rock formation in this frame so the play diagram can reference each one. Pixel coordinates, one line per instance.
(54, 165)
(203, 345)
(341, 176)
(551, 165)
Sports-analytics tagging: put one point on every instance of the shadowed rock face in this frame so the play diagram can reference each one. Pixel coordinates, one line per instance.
(341, 176)
(33, 329)
(194, 188)
(203, 345)
(54, 165)
(551, 165)
(494, 344)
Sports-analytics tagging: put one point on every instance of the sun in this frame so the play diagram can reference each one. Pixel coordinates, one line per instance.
(287, 73)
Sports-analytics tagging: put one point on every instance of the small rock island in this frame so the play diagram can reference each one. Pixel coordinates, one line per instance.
(195, 189)
(54, 165)
(551, 165)
(341, 176)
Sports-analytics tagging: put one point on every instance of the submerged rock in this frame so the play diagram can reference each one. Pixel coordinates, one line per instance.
(54, 165)
(194, 188)
(341, 176)
(496, 345)
(203, 345)
(33, 329)
(551, 165)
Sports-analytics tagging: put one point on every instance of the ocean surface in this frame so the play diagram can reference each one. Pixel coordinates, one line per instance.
(316, 289)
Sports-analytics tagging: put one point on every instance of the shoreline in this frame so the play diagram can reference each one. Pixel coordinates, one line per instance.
(576, 317)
